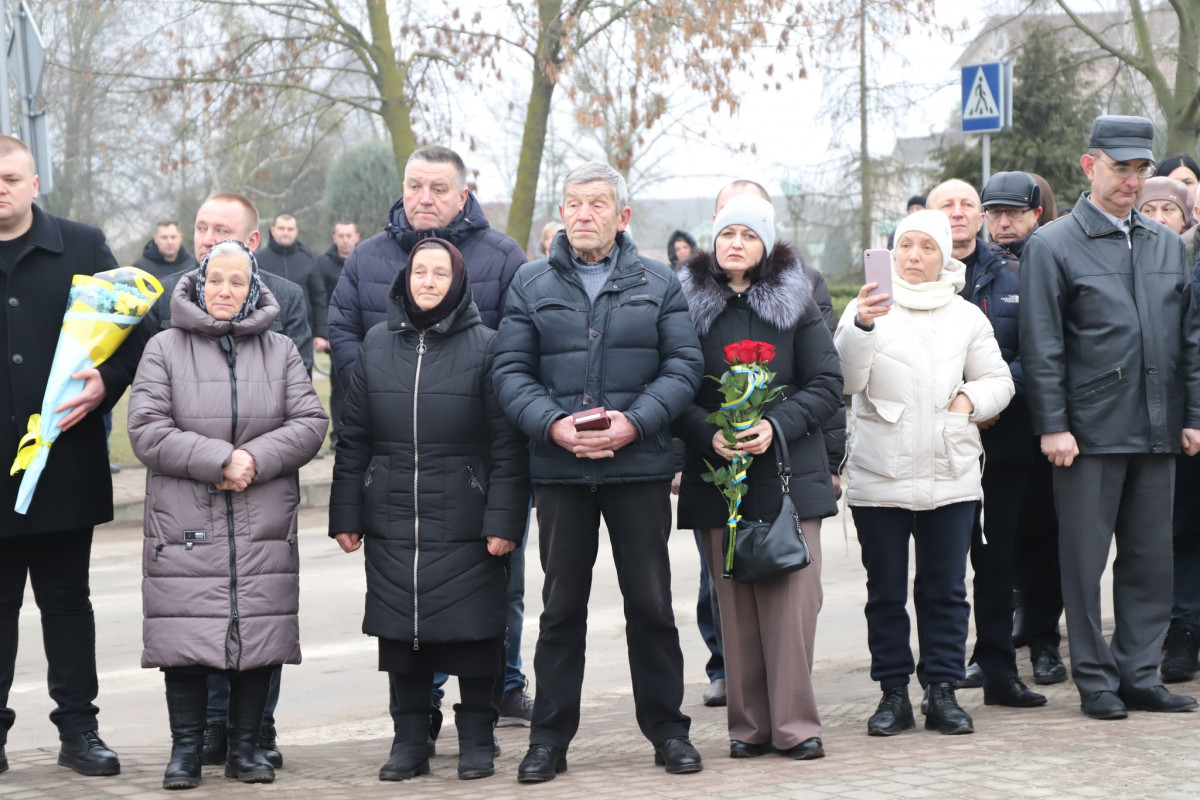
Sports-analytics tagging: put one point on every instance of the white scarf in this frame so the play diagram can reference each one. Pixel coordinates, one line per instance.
(930, 294)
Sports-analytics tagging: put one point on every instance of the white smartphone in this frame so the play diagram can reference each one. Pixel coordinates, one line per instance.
(877, 264)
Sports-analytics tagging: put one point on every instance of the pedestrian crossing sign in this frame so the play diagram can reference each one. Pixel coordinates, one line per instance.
(987, 97)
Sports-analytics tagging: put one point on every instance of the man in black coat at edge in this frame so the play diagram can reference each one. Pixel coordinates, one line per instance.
(598, 323)
(52, 544)
(329, 266)
(285, 255)
(993, 286)
(1110, 346)
(165, 254)
(226, 215)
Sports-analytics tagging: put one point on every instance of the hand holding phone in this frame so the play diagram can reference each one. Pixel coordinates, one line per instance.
(876, 301)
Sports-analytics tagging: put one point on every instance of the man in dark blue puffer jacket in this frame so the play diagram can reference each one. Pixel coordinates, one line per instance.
(435, 202)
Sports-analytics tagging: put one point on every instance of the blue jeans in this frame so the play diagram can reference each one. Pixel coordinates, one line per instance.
(708, 618)
(1185, 609)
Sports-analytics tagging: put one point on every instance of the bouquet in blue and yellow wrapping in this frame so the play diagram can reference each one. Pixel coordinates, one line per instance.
(101, 311)
(746, 389)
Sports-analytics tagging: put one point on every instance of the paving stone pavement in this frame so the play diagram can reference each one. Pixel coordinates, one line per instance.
(1049, 752)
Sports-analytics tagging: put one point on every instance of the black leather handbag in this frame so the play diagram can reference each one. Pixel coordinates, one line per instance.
(770, 549)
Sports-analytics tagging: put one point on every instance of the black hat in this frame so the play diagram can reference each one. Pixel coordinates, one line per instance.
(1123, 138)
(1017, 189)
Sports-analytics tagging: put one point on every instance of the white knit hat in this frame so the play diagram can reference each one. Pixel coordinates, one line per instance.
(934, 224)
(752, 211)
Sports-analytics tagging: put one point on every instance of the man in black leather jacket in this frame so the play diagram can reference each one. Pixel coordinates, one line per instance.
(1111, 353)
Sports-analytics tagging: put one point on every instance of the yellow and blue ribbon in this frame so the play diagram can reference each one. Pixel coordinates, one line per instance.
(27, 448)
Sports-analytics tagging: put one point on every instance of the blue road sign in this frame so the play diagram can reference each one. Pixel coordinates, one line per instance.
(983, 100)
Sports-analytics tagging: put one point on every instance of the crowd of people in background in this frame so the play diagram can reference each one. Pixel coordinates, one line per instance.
(1024, 387)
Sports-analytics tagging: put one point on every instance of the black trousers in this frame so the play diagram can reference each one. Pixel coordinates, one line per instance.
(1038, 582)
(638, 518)
(57, 566)
(942, 537)
(993, 553)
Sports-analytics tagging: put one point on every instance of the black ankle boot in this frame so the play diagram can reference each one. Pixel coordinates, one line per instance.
(410, 748)
(476, 740)
(187, 694)
(945, 715)
(247, 699)
(893, 714)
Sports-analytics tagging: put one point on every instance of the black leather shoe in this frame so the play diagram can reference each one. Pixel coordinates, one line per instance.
(1180, 661)
(893, 714)
(542, 763)
(945, 715)
(678, 756)
(974, 677)
(1156, 698)
(1103, 705)
(748, 749)
(1011, 693)
(87, 754)
(216, 743)
(805, 751)
(714, 695)
(1048, 666)
(270, 751)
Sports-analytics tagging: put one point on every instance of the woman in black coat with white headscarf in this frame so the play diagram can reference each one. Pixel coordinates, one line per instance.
(752, 288)
(433, 479)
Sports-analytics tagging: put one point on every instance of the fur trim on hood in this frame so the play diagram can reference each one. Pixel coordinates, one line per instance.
(779, 301)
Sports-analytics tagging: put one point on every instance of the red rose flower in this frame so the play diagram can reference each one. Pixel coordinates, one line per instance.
(731, 353)
(747, 351)
(765, 352)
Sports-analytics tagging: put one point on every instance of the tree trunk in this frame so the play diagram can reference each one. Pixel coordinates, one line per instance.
(864, 156)
(537, 119)
(390, 80)
(1183, 119)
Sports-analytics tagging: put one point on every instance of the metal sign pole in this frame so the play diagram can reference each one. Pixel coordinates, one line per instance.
(985, 148)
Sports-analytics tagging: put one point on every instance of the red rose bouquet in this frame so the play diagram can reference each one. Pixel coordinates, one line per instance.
(746, 388)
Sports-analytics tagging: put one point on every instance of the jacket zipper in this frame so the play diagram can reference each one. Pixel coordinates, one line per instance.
(474, 482)
(417, 499)
(227, 344)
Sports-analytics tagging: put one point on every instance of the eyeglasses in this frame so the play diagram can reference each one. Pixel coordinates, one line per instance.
(1013, 214)
(1123, 171)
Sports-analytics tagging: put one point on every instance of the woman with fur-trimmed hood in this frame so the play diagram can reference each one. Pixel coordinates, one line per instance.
(752, 288)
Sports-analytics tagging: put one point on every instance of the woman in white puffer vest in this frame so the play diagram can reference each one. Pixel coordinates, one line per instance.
(924, 373)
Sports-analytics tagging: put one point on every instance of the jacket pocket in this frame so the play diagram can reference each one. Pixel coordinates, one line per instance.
(960, 447)
(1086, 390)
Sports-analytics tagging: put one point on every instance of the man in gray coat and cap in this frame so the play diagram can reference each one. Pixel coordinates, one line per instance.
(1111, 352)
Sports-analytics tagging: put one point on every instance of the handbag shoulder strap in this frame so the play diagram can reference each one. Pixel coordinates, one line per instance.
(783, 459)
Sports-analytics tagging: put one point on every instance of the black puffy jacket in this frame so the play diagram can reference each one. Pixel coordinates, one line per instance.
(996, 292)
(780, 311)
(360, 299)
(632, 350)
(427, 467)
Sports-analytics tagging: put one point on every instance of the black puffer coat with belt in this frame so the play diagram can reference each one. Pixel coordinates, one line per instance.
(427, 467)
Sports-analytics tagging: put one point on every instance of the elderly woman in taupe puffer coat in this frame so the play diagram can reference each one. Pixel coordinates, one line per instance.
(223, 415)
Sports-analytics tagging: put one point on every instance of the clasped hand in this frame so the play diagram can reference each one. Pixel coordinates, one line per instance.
(594, 444)
(753, 441)
(238, 473)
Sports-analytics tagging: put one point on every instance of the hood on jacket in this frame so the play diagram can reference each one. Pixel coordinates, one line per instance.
(469, 220)
(676, 236)
(780, 300)
(151, 252)
(332, 253)
(186, 314)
